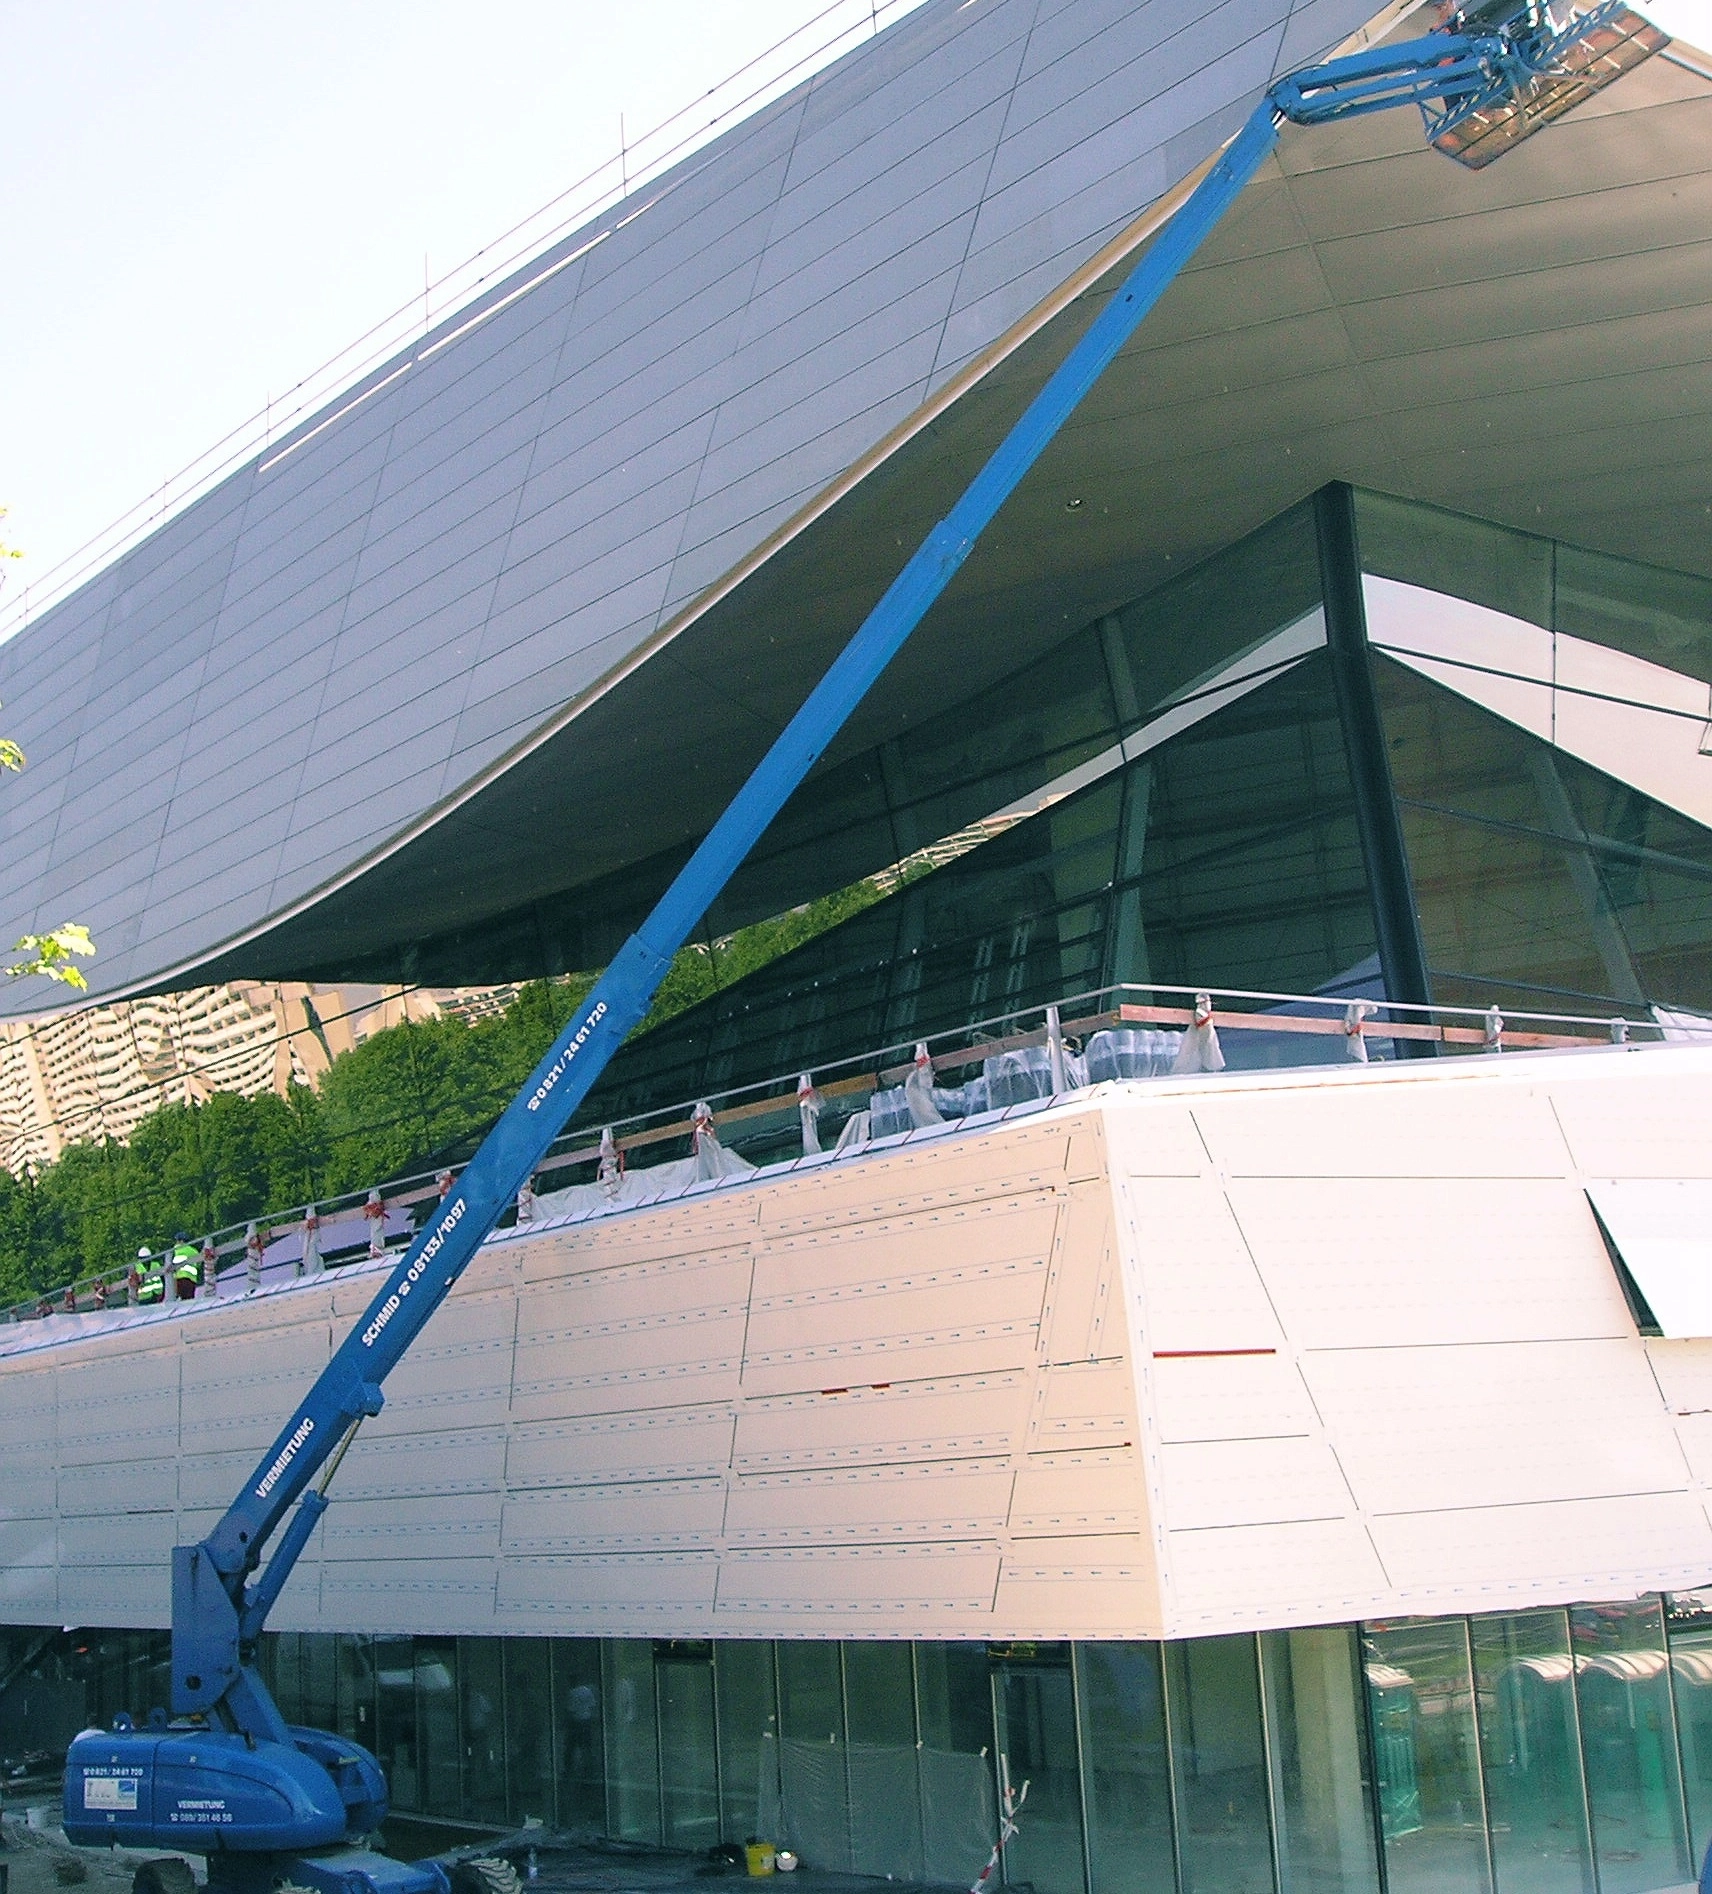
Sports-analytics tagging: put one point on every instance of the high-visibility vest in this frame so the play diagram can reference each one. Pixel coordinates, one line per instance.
(152, 1288)
(186, 1262)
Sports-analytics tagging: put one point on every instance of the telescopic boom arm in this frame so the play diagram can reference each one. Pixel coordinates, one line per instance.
(1478, 91)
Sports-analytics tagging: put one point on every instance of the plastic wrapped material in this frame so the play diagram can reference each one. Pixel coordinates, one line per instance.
(1199, 1049)
(1013, 1078)
(1131, 1052)
(959, 1814)
(310, 1263)
(918, 1091)
(857, 1131)
(962, 1101)
(889, 1114)
(375, 1211)
(711, 1157)
(1355, 1030)
(808, 1110)
(631, 1189)
(611, 1172)
(883, 1821)
(815, 1819)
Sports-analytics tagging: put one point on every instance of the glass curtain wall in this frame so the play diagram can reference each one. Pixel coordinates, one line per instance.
(1227, 853)
(1538, 1752)
(1224, 850)
(1537, 874)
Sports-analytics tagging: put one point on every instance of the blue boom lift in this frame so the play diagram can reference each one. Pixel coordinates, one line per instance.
(274, 1806)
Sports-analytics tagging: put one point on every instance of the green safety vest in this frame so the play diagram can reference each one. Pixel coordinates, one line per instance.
(187, 1263)
(153, 1285)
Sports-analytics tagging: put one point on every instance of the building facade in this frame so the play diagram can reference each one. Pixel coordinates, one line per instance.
(1293, 1466)
(1277, 1470)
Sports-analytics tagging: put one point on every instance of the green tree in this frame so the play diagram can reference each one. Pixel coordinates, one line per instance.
(56, 952)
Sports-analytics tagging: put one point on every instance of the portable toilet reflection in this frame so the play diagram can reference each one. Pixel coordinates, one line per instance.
(1391, 1692)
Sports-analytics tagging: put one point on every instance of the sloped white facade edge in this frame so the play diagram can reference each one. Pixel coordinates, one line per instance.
(1197, 1356)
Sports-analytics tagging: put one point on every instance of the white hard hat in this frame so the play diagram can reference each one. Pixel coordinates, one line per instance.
(144, 1254)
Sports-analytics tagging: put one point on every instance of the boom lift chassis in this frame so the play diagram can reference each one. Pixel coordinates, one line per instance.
(225, 1777)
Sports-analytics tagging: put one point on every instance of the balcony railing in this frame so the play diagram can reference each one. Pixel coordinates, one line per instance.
(1014, 1061)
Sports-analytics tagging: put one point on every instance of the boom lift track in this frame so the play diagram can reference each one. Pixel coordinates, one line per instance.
(271, 1805)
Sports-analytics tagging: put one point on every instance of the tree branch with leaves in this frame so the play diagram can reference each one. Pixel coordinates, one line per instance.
(56, 953)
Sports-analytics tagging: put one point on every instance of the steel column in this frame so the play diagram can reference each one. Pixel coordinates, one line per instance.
(1396, 924)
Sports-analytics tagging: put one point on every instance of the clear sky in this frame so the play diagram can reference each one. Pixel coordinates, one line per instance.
(207, 198)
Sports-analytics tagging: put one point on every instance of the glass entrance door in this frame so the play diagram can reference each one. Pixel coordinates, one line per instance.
(1034, 1728)
(689, 1768)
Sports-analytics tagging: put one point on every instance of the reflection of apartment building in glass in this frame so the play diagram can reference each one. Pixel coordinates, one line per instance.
(98, 1072)
(1298, 1473)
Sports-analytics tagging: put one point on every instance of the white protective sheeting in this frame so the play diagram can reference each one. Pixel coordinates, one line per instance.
(1662, 1230)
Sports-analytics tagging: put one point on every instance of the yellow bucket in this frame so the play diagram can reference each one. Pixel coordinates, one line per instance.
(760, 1855)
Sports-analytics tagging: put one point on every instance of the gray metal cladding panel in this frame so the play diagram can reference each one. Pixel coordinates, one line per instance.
(590, 486)
(283, 531)
(852, 370)
(477, 436)
(394, 657)
(844, 175)
(609, 380)
(604, 563)
(287, 657)
(424, 565)
(247, 793)
(504, 353)
(369, 801)
(305, 580)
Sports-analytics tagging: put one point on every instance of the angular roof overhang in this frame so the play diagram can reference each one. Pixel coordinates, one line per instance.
(1531, 343)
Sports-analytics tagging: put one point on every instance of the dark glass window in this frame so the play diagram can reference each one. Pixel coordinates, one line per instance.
(356, 1687)
(1489, 565)
(1218, 1751)
(481, 1690)
(632, 1740)
(1662, 616)
(1127, 1768)
(1536, 875)
(982, 751)
(582, 1746)
(748, 1738)
(1228, 856)
(1321, 1795)
(958, 1812)
(528, 1730)
(1432, 1812)
(811, 1759)
(885, 1798)
(689, 1763)
(1628, 1741)
(1034, 1720)
(1530, 1744)
(395, 1721)
(438, 1742)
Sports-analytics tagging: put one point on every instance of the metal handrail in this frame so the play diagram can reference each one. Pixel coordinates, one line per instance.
(773, 1102)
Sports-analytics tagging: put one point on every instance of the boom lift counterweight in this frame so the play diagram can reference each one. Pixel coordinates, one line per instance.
(226, 1777)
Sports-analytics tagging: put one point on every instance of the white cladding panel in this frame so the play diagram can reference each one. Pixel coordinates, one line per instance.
(1189, 1357)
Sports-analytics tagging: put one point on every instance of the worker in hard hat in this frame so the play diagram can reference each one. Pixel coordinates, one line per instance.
(186, 1268)
(150, 1277)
